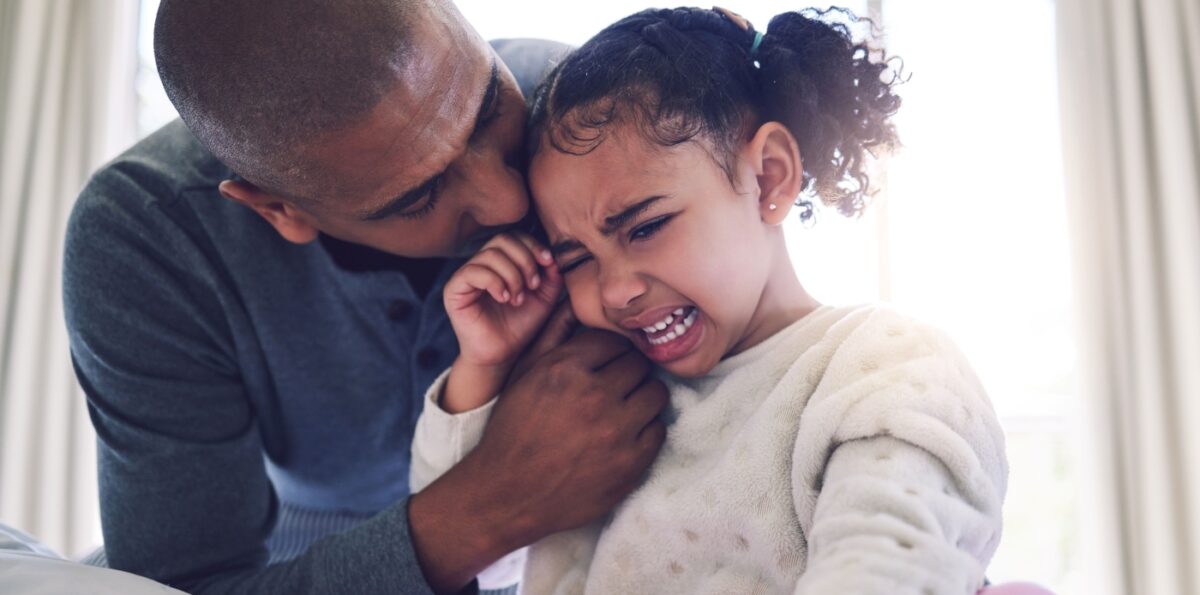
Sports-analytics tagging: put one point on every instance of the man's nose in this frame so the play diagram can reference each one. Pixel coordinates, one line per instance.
(496, 194)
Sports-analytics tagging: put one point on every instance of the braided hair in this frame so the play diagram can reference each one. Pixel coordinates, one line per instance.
(687, 73)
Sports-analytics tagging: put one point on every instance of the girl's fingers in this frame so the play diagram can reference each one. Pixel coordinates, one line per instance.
(552, 283)
(540, 253)
(473, 278)
(499, 263)
(524, 251)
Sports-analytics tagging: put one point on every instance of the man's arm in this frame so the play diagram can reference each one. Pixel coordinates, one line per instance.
(185, 498)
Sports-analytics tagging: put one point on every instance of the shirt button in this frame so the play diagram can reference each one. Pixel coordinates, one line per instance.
(399, 310)
(428, 358)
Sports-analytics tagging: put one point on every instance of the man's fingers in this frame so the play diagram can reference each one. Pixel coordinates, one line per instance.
(625, 373)
(644, 404)
(596, 348)
(557, 330)
(650, 440)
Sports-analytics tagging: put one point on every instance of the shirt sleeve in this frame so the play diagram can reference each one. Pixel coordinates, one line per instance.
(184, 494)
(441, 439)
(899, 471)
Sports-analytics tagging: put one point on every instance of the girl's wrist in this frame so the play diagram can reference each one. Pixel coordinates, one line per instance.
(471, 385)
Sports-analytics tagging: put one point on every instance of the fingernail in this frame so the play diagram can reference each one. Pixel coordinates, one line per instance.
(547, 256)
(520, 298)
(505, 295)
(534, 281)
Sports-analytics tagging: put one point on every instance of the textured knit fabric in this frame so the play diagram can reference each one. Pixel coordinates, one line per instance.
(853, 452)
(249, 395)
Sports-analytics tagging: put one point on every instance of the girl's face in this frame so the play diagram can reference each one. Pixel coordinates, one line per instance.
(657, 245)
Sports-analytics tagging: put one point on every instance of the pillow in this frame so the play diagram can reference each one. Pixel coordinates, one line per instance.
(28, 567)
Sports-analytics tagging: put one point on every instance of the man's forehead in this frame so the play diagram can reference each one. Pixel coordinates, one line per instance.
(420, 125)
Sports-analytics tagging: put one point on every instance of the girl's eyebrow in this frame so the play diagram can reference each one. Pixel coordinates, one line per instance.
(615, 222)
(612, 224)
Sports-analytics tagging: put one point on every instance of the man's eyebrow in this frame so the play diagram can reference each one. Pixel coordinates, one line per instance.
(413, 196)
(611, 225)
(615, 222)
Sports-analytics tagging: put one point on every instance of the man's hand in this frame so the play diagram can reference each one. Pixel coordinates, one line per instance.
(569, 438)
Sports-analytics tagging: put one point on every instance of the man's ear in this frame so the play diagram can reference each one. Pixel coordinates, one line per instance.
(293, 224)
(775, 158)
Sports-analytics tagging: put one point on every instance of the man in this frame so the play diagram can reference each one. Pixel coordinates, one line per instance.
(254, 310)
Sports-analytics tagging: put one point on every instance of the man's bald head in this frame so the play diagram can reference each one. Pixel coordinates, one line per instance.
(255, 80)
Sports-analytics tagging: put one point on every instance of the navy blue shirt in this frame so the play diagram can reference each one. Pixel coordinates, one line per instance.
(249, 394)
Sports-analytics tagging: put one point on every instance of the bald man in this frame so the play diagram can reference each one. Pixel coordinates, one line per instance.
(253, 300)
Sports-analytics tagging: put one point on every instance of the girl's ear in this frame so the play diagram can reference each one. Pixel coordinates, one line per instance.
(775, 157)
(293, 224)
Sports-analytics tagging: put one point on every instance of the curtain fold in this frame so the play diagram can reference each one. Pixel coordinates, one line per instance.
(1130, 98)
(67, 105)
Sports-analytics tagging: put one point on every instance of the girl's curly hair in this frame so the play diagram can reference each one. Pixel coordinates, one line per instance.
(683, 73)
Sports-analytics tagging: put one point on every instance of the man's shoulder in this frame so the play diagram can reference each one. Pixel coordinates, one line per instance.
(142, 208)
(529, 59)
(160, 190)
(156, 170)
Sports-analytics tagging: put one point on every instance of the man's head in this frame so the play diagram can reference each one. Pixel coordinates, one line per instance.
(389, 123)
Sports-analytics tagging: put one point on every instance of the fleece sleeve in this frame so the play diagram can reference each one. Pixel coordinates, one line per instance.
(440, 441)
(899, 470)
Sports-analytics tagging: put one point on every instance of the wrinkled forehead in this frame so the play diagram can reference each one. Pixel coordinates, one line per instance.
(574, 193)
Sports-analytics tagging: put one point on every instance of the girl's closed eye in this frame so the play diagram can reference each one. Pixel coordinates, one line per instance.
(573, 264)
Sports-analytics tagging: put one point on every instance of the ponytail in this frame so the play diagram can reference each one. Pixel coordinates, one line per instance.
(679, 74)
(829, 92)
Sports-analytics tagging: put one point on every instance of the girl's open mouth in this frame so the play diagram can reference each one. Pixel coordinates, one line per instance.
(673, 336)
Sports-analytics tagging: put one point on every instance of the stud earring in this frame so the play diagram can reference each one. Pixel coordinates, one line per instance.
(771, 207)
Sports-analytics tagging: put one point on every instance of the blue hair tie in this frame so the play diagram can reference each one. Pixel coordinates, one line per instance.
(758, 37)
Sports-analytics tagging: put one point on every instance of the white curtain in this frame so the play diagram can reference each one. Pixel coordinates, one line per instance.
(1130, 83)
(67, 105)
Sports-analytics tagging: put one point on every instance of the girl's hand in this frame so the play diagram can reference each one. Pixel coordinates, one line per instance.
(500, 298)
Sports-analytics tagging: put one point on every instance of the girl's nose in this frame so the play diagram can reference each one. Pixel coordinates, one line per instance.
(620, 287)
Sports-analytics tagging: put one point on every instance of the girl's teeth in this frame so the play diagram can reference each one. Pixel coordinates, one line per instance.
(677, 331)
(678, 312)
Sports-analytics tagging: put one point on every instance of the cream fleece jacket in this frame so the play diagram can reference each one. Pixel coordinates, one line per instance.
(853, 452)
